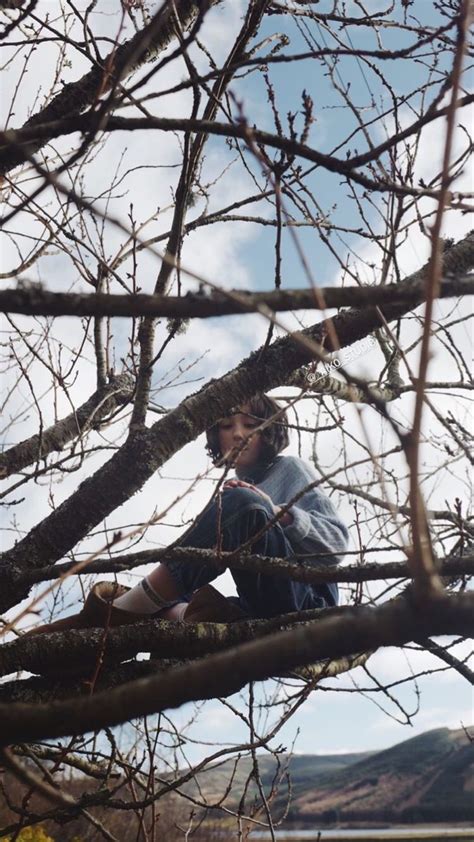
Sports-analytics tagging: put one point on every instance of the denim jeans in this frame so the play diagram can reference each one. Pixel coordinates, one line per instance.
(243, 513)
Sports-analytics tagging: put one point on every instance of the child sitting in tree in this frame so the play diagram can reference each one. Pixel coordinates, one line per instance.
(265, 482)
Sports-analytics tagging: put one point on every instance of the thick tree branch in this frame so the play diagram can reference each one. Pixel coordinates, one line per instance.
(36, 301)
(78, 650)
(47, 689)
(360, 629)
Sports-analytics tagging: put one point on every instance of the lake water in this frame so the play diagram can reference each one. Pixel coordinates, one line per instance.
(405, 834)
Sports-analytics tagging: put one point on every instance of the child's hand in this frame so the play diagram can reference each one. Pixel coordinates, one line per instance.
(285, 519)
(235, 483)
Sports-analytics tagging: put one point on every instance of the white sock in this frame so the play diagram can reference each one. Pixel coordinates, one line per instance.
(176, 612)
(142, 599)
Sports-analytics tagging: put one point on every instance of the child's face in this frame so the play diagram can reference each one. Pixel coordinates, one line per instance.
(236, 429)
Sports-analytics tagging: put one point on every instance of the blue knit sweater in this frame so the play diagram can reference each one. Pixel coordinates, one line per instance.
(317, 531)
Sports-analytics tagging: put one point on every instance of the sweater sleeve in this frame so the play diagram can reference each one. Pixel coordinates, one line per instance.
(317, 530)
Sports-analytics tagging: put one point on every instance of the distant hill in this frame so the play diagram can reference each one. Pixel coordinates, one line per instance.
(428, 778)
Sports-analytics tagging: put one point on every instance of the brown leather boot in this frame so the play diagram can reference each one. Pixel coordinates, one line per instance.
(98, 612)
(206, 605)
(209, 605)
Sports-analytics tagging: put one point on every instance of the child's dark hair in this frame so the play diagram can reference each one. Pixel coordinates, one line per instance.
(274, 437)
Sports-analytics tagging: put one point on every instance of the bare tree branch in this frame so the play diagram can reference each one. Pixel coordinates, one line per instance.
(88, 416)
(144, 46)
(295, 569)
(30, 138)
(36, 301)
